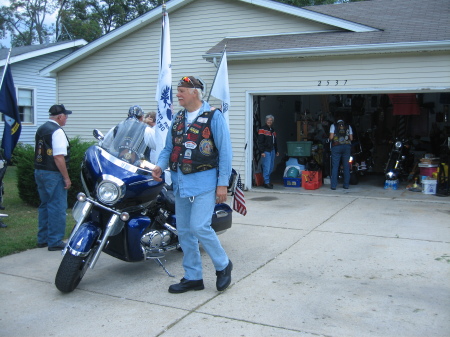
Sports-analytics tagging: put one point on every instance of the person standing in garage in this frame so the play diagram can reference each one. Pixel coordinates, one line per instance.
(341, 136)
(267, 145)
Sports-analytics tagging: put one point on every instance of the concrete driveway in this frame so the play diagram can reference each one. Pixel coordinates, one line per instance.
(306, 263)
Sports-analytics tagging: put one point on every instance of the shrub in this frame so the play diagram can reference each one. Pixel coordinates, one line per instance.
(23, 158)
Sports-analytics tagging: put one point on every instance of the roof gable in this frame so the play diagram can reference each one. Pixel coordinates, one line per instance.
(174, 5)
(19, 54)
(403, 25)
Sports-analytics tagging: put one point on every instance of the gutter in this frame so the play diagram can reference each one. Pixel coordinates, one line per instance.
(43, 51)
(403, 47)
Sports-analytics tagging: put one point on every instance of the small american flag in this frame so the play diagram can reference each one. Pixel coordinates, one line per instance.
(239, 200)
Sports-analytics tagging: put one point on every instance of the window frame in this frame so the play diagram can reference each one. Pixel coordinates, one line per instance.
(34, 107)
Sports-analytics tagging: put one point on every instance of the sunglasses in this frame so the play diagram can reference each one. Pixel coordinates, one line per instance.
(186, 79)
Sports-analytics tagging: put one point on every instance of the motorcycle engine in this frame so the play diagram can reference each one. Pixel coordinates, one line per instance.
(156, 239)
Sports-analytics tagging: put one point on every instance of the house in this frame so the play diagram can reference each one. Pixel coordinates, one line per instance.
(299, 64)
(35, 94)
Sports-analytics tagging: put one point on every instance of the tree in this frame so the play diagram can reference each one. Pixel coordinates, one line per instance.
(24, 20)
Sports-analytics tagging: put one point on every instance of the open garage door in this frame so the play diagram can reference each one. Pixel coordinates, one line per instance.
(377, 119)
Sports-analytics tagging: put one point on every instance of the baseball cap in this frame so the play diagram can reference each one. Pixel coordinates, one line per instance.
(59, 109)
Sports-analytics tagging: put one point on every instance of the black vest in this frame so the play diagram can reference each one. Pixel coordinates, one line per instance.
(193, 150)
(43, 151)
(341, 134)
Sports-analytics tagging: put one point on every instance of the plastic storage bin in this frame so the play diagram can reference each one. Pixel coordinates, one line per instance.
(299, 149)
(292, 182)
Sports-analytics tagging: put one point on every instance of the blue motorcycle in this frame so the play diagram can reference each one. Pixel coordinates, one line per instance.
(123, 212)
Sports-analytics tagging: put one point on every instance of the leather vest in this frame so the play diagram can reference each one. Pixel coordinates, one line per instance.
(341, 134)
(193, 150)
(43, 152)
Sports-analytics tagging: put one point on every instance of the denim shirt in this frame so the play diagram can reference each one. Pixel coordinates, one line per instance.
(193, 184)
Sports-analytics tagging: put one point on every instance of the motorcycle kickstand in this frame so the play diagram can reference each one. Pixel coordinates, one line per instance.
(158, 261)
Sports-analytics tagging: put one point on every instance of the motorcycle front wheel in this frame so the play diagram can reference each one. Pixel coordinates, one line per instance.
(71, 271)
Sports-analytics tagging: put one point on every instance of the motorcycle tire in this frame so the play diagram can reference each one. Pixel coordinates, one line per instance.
(71, 271)
(354, 178)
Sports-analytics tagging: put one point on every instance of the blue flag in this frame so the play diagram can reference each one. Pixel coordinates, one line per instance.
(10, 110)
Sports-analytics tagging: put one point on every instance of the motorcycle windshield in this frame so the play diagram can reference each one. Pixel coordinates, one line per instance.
(127, 141)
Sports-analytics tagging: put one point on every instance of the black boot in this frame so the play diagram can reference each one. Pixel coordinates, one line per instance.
(186, 285)
(224, 277)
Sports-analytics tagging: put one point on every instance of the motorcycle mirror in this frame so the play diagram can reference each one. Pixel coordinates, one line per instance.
(98, 134)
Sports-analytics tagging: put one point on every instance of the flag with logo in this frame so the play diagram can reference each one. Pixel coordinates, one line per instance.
(220, 88)
(10, 110)
(239, 200)
(164, 86)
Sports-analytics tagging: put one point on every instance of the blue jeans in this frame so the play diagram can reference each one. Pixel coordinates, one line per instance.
(194, 226)
(339, 152)
(53, 207)
(267, 165)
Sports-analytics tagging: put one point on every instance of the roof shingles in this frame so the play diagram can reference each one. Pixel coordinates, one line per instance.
(398, 21)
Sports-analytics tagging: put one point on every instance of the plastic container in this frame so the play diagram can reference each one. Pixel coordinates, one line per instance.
(429, 186)
(427, 169)
(311, 180)
(293, 172)
(292, 182)
(299, 149)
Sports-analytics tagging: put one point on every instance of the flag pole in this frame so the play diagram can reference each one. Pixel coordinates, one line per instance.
(164, 12)
(217, 71)
(6, 64)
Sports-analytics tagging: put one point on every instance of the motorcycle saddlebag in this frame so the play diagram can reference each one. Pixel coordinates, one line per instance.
(222, 218)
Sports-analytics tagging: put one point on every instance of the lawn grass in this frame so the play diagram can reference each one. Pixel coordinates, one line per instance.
(21, 233)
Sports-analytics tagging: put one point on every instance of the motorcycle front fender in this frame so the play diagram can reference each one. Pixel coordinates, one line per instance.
(82, 241)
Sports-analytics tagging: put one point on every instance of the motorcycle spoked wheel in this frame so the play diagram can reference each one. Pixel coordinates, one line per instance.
(71, 271)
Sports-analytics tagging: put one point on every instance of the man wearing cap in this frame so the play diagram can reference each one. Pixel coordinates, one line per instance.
(198, 152)
(51, 159)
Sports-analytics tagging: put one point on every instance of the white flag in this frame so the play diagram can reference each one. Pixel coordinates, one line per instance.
(220, 88)
(164, 87)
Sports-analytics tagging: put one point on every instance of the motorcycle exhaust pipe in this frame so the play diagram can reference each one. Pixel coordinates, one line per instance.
(171, 228)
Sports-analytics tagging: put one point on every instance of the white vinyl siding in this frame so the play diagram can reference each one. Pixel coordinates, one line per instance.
(101, 88)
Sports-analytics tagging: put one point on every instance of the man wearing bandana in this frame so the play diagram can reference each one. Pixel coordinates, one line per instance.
(198, 152)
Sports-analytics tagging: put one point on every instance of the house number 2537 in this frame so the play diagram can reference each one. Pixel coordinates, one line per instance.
(332, 82)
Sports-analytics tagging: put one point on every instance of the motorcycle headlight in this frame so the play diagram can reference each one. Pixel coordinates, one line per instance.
(110, 190)
(398, 144)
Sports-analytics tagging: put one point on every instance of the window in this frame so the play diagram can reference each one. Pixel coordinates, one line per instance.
(26, 105)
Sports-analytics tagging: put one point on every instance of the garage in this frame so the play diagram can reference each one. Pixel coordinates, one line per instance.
(377, 120)
(301, 65)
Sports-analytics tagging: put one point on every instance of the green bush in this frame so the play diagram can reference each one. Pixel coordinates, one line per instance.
(23, 158)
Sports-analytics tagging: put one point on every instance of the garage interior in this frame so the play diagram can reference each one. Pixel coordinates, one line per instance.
(377, 119)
